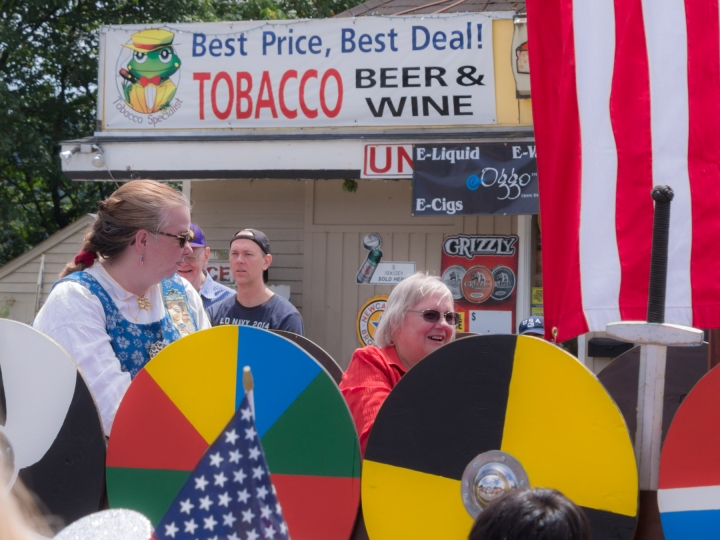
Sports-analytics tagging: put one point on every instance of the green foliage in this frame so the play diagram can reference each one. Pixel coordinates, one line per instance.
(350, 186)
(48, 87)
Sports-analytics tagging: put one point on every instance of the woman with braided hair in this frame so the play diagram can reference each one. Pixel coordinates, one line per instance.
(112, 308)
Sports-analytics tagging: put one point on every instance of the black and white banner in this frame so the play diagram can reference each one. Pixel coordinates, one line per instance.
(489, 178)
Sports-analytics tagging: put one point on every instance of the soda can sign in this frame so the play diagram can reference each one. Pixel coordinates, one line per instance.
(374, 272)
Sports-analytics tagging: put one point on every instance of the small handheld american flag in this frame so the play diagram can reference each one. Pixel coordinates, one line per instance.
(229, 495)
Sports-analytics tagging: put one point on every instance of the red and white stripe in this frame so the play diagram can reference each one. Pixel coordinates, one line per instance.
(626, 95)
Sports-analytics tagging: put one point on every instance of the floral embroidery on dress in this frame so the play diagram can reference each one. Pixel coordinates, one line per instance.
(147, 339)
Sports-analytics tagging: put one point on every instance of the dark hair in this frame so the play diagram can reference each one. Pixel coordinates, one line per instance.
(137, 205)
(531, 514)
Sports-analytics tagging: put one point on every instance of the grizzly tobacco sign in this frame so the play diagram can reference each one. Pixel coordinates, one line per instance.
(374, 71)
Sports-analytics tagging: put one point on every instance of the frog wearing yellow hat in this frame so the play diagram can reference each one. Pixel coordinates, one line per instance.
(147, 85)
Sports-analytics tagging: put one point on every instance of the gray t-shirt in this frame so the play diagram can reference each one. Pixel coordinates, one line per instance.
(275, 314)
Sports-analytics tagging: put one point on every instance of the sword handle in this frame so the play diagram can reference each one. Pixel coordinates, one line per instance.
(662, 195)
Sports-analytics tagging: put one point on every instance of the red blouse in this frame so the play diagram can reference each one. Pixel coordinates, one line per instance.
(371, 375)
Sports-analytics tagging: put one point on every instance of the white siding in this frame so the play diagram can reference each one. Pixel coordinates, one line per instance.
(18, 278)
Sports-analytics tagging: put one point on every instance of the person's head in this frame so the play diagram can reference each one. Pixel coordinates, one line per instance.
(250, 258)
(532, 326)
(193, 265)
(418, 318)
(143, 220)
(531, 514)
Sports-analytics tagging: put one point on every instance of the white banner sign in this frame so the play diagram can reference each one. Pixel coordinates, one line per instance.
(392, 272)
(371, 71)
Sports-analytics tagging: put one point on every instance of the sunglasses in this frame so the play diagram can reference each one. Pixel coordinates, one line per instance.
(182, 239)
(433, 316)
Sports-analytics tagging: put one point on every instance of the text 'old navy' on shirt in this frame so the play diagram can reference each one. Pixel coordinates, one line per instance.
(275, 314)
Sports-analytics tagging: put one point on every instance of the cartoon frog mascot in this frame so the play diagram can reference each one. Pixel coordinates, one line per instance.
(147, 84)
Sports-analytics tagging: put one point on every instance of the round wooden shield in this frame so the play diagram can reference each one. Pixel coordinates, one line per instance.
(684, 368)
(515, 394)
(179, 403)
(50, 422)
(314, 350)
(689, 480)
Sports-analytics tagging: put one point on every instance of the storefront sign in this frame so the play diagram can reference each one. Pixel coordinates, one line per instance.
(536, 306)
(491, 178)
(481, 272)
(220, 272)
(373, 71)
(369, 318)
(387, 161)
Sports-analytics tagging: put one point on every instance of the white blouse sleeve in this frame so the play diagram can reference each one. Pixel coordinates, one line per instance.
(75, 318)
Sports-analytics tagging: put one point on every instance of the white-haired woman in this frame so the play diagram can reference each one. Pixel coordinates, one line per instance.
(113, 315)
(419, 319)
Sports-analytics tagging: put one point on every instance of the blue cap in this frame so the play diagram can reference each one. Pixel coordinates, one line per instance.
(198, 239)
(532, 325)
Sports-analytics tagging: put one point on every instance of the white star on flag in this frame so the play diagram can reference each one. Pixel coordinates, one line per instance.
(254, 453)
(243, 496)
(246, 414)
(231, 436)
(220, 479)
(250, 433)
(235, 456)
(190, 526)
(171, 529)
(209, 523)
(262, 492)
(258, 473)
(216, 459)
(233, 536)
(266, 512)
(186, 506)
(247, 515)
(278, 508)
(239, 476)
(252, 535)
(200, 483)
(270, 532)
(205, 503)
(283, 529)
(224, 499)
(229, 519)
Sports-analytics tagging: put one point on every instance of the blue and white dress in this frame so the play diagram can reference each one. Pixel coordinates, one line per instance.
(112, 339)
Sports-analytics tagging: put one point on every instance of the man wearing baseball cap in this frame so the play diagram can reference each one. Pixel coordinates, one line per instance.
(193, 269)
(254, 304)
(532, 326)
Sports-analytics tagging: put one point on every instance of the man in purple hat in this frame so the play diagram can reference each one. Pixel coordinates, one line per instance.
(254, 304)
(193, 269)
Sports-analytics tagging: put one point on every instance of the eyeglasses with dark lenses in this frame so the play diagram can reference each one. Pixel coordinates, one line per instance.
(433, 316)
(183, 238)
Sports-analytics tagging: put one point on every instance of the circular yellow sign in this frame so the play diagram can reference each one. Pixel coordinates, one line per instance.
(369, 317)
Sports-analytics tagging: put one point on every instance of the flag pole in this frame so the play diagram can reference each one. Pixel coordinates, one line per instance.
(248, 384)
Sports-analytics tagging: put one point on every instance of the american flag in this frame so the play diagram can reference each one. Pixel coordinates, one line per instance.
(626, 95)
(229, 495)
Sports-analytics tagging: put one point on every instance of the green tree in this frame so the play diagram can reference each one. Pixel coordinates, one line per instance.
(48, 93)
